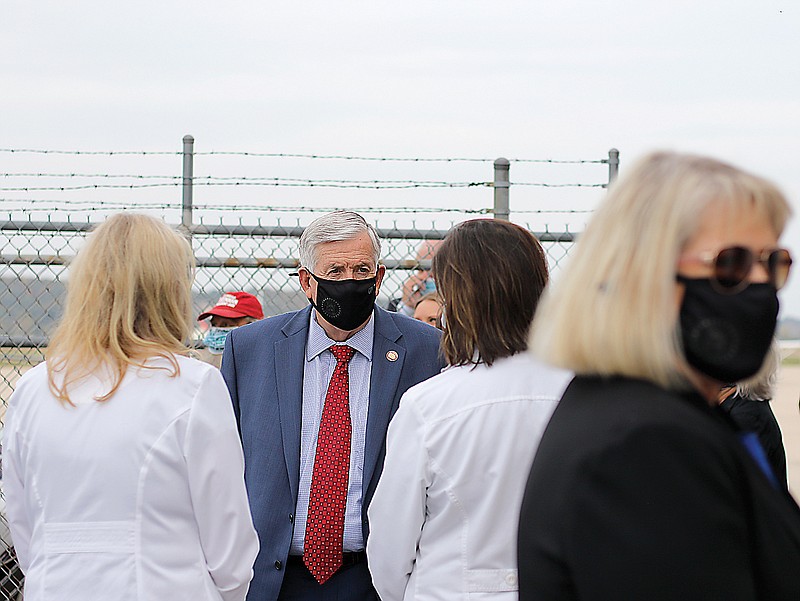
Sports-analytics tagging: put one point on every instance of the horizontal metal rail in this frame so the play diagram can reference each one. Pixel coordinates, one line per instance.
(252, 231)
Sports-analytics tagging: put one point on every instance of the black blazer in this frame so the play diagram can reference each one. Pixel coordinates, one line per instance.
(641, 493)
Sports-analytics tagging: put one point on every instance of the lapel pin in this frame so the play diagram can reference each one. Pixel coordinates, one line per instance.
(391, 355)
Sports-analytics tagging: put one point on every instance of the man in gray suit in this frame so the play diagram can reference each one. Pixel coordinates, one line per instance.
(313, 393)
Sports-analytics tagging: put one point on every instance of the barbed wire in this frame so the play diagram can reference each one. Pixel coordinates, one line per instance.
(86, 187)
(228, 180)
(260, 208)
(553, 211)
(98, 206)
(90, 175)
(272, 182)
(73, 201)
(295, 183)
(299, 156)
(546, 185)
(390, 159)
(214, 178)
(85, 205)
(88, 152)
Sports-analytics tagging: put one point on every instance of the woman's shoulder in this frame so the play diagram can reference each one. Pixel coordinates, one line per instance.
(445, 380)
(168, 381)
(191, 373)
(37, 372)
(619, 411)
(622, 394)
(188, 366)
(620, 387)
(33, 379)
(459, 388)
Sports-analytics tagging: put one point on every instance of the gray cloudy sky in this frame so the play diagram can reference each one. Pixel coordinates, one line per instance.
(564, 80)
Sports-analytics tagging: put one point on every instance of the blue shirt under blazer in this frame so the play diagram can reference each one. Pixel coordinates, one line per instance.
(263, 367)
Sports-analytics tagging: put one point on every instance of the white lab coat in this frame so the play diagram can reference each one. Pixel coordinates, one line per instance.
(443, 521)
(141, 497)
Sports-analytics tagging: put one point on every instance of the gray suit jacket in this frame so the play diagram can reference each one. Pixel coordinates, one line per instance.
(263, 366)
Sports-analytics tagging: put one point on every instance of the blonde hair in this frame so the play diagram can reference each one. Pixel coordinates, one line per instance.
(613, 310)
(128, 299)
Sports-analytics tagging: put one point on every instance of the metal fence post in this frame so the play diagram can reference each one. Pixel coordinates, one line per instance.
(613, 164)
(188, 174)
(502, 168)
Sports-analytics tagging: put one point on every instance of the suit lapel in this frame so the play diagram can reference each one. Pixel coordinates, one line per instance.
(289, 366)
(384, 380)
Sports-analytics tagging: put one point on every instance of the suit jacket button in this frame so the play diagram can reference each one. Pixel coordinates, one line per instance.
(278, 565)
(291, 518)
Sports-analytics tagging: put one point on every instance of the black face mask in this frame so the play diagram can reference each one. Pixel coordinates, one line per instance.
(727, 336)
(345, 304)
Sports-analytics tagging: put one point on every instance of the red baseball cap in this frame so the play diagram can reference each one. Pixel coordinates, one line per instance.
(235, 304)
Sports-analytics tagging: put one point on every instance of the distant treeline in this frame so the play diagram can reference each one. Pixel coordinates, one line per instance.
(789, 329)
(31, 308)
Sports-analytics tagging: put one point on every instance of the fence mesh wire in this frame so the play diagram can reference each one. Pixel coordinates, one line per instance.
(241, 242)
(259, 258)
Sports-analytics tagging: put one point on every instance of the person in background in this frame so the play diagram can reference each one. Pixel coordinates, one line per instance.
(429, 310)
(11, 577)
(420, 283)
(748, 404)
(641, 487)
(122, 467)
(233, 310)
(443, 519)
(313, 392)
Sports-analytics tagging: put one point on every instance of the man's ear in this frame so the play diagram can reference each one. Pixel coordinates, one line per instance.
(379, 278)
(305, 282)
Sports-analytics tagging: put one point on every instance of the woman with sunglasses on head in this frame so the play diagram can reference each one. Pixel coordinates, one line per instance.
(642, 487)
(122, 466)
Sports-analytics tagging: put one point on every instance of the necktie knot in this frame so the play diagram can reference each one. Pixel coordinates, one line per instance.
(343, 353)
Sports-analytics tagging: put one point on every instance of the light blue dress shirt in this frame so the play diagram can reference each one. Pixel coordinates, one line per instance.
(319, 367)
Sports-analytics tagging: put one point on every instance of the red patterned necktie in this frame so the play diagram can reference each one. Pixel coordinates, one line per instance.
(322, 552)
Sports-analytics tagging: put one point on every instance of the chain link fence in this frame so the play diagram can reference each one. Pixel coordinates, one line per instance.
(260, 259)
(240, 243)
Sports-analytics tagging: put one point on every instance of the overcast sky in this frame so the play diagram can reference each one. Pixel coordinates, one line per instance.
(562, 80)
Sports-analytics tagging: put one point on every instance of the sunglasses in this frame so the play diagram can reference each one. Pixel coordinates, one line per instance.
(732, 267)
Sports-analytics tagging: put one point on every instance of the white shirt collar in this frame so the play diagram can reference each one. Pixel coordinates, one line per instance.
(319, 341)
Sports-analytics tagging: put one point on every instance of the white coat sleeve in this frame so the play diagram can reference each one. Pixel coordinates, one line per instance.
(14, 488)
(215, 466)
(397, 511)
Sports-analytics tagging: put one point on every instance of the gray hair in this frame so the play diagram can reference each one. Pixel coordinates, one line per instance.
(761, 386)
(335, 227)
